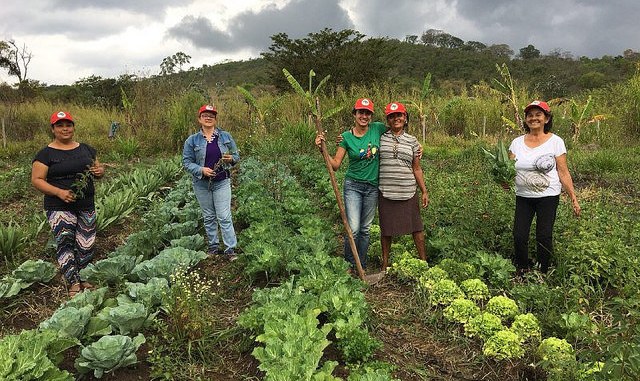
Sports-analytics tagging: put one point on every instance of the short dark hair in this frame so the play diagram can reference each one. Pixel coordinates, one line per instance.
(547, 126)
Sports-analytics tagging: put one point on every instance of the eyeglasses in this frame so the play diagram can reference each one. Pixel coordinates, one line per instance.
(63, 124)
(395, 115)
(207, 116)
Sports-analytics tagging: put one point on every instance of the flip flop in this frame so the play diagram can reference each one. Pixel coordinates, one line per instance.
(87, 286)
(75, 289)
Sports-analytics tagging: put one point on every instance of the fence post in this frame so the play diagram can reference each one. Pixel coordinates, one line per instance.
(4, 135)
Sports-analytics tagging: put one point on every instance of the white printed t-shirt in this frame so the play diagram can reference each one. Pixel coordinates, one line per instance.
(536, 172)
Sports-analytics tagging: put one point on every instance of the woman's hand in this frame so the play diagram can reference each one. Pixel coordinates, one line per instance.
(319, 139)
(97, 169)
(425, 200)
(66, 195)
(208, 172)
(227, 158)
(576, 207)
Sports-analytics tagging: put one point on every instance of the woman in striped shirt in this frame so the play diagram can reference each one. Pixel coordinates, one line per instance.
(400, 174)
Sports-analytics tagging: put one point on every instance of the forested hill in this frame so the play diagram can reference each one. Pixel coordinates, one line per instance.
(352, 59)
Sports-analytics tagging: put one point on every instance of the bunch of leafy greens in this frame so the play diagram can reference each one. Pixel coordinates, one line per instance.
(34, 355)
(25, 275)
(69, 321)
(503, 169)
(108, 354)
(111, 270)
(167, 262)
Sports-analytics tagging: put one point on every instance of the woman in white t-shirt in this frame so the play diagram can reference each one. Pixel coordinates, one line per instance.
(541, 174)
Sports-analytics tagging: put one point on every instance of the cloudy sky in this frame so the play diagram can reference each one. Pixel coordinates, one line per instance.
(74, 39)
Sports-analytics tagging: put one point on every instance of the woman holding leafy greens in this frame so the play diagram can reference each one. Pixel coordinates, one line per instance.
(208, 155)
(541, 174)
(64, 171)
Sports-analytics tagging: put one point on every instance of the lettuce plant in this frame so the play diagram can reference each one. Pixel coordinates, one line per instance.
(503, 307)
(475, 289)
(108, 354)
(557, 357)
(503, 344)
(431, 277)
(444, 292)
(483, 325)
(526, 326)
(408, 268)
(461, 310)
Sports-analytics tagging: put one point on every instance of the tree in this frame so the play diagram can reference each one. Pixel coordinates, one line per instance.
(345, 55)
(174, 63)
(14, 59)
(500, 51)
(412, 39)
(436, 37)
(529, 52)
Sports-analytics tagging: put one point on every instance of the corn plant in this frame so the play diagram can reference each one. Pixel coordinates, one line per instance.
(420, 104)
(507, 88)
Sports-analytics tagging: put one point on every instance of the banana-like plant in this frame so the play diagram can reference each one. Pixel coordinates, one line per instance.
(310, 95)
(580, 116)
(262, 112)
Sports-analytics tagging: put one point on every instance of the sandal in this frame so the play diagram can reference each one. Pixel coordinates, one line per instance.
(87, 286)
(75, 289)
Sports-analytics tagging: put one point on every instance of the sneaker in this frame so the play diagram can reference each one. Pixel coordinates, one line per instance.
(214, 251)
(230, 254)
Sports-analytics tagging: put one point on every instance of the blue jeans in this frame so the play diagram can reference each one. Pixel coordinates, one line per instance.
(215, 201)
(360, 202)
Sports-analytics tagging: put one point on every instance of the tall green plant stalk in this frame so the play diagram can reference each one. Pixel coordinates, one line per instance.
(310, 95)
(507, 88)
(580, 116)
(421, 104)
(262, 112)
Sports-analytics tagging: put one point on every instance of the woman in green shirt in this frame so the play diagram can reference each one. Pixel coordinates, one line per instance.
(361, 144)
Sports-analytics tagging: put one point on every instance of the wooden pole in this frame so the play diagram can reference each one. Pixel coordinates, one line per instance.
(334, 184)
(4, 135)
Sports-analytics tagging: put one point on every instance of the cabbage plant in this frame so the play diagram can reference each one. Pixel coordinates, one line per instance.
(461, 310)
(503, 307)
(503, 344)
(108, 354)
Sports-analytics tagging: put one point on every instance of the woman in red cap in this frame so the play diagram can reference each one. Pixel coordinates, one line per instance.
(64, 171)
(208, 156)
(541, 174)
(400, 174)
(361, 143)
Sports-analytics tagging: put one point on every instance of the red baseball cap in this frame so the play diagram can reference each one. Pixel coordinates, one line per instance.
(394, 107)
(209, 108)
(61, 115)
(539, 104)
(363, 104)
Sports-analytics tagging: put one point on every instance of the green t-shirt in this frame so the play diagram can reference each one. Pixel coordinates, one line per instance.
(364, 153)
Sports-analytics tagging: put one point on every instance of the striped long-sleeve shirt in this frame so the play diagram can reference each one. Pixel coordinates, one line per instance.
(397, 181)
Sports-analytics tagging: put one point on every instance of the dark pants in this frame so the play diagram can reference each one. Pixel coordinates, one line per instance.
(544, 208)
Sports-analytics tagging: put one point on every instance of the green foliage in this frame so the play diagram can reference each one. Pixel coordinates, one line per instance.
(475, 289)
(108, 354)
(526, 326)
(495, 269)
(503, 169)
(504, 344)
(127, 318)
(150, 294)
(293, 348)
(483, 325)
(408, 268)
(167, 262)
(557, 357)
(34, 355)
(69, 321)
(111, 271)
(432, 276)
(444, 292)
(461, 310)
(457, 271)
(12, 240)
(35, 271)
(503, 307)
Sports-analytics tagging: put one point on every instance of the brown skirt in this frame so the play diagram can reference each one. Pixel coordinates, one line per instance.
(399, 217)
